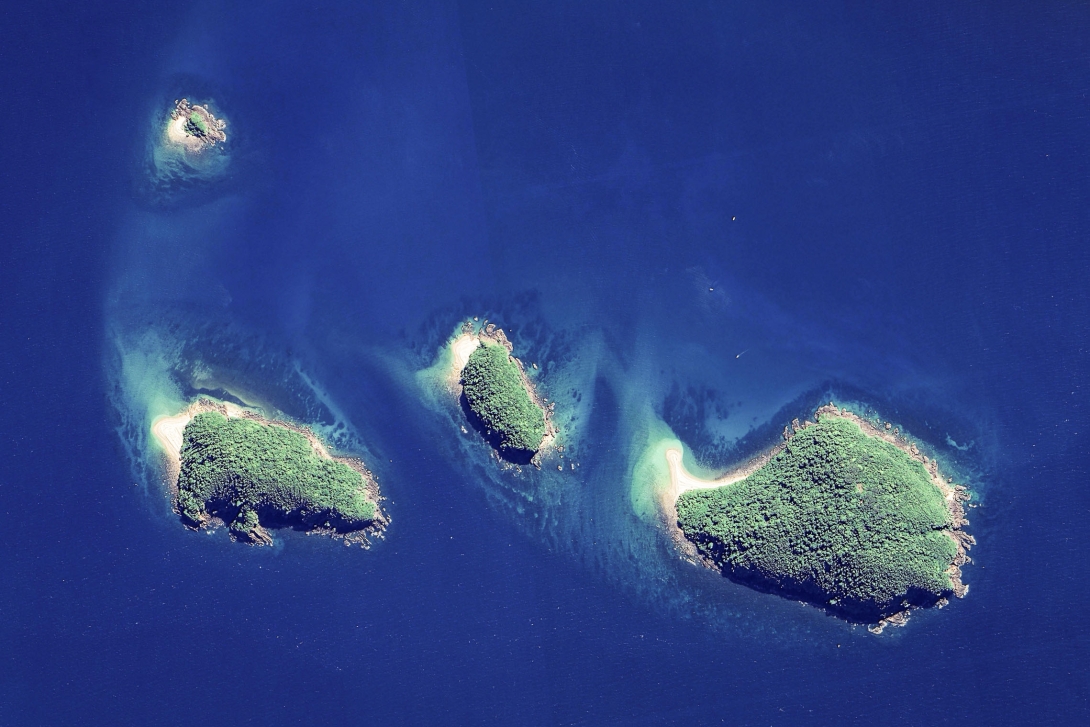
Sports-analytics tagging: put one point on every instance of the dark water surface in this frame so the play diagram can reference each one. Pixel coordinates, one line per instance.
(712, 215)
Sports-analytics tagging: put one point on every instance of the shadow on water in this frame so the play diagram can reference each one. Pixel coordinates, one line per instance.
(858, 613)
(494, 439)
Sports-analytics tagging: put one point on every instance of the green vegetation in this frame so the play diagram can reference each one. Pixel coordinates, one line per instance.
(195, 125)
(837, 518)
(496, 395)
(250, 474)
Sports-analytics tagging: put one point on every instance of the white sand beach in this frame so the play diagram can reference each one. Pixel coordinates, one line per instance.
(167, 431)
(460, 350)
(176, 135)
(462, 347)
(681, 481)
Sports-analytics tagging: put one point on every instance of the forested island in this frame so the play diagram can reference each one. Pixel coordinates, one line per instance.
(498, 398)
(842, 514)
(252, 474)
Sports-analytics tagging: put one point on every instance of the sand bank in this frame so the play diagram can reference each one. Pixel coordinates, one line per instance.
(682, 481)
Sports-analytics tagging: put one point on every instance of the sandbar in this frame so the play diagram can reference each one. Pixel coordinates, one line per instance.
(682, 481)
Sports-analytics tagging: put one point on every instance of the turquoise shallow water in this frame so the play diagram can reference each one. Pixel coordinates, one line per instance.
(701, 221)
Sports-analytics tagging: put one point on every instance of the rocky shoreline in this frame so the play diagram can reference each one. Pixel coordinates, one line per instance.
(954, 495)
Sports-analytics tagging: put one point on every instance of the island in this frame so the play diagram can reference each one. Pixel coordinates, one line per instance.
(843, 514)
(193, 127)
(187, 156)
(498, 398)
(230, 465)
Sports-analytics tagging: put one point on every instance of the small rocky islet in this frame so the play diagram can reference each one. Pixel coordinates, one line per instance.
(187, 155)
(199, 127)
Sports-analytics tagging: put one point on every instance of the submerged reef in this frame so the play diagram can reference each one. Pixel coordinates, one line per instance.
(842, 515)
(688, 411)
(499, 400)
(253, 473)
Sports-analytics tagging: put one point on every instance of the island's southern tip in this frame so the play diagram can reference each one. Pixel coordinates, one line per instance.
(229, 465)
(843, 514)
(498, 398)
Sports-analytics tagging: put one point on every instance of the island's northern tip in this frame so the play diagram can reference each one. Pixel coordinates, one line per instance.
(843, 514)
(231, 465)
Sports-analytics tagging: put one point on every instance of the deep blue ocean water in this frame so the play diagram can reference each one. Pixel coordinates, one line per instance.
(747, 207)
